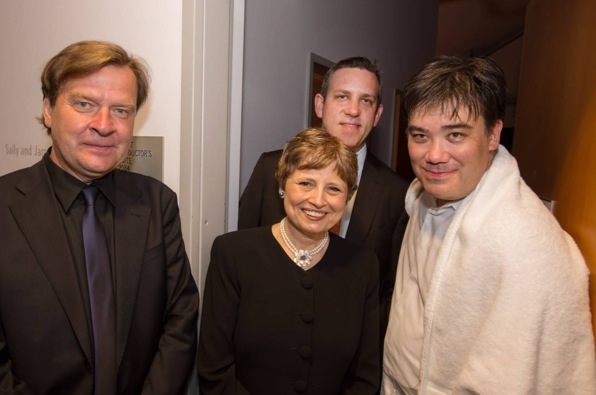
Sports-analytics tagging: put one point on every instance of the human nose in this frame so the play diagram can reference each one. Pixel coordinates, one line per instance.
(436, 153)
(353, 108)
(317, 197)
(102, 121)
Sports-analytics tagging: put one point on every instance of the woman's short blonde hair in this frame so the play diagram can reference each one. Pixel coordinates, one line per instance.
(314, 149)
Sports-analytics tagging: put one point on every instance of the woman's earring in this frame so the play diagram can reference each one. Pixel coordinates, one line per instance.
(282, 194)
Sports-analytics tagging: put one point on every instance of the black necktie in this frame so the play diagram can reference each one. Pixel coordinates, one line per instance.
(101, 296)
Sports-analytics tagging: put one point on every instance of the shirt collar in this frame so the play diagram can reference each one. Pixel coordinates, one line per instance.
(67, 188)
(361, 157)
(428, 205)
(106, 186)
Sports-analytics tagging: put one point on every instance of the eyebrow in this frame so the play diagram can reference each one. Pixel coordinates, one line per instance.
(413, 128)
(340, 91)
(460, 125)
(79, 95)
(352, 93)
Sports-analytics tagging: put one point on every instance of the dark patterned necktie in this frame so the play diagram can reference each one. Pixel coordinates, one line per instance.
(101, 296)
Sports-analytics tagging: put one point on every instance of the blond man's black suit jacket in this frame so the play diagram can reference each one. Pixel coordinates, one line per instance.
(45, 343)
(378, 219)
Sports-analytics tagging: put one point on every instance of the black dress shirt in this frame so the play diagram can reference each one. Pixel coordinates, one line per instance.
(67, 190)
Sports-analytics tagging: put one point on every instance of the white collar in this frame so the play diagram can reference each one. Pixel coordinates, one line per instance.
(361, 157)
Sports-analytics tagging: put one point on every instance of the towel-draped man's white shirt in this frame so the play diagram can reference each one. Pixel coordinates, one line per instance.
(429, 231)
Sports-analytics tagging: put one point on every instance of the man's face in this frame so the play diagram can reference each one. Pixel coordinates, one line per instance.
(92, 122)
(449, 154)
(350, 110)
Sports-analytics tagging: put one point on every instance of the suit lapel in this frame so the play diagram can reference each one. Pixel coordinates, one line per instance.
(363, 213)
(39, 219)
(131, 223)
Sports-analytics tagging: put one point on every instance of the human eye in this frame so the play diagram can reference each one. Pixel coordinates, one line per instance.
(341, 96)
(368, 101)
(456, 136)
(335, 190)
(305, 183)
(417, 136)
(82, 105)
(123, 112)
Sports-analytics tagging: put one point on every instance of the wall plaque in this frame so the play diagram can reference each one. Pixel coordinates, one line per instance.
(145, 156)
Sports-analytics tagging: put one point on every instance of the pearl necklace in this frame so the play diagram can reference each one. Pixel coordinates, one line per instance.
(302, 258)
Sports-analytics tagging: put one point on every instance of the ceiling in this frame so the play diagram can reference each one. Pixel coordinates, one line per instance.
(478, 27)
(491, 28)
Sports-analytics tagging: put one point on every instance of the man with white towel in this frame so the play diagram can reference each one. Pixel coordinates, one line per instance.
(491, 294)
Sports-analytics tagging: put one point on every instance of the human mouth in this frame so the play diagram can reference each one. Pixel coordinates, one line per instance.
(437, 174)
(312, 213)
(100, 149)
(99, 145)
(350, 125)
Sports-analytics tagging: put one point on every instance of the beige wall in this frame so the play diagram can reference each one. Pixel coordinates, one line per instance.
(555, 132)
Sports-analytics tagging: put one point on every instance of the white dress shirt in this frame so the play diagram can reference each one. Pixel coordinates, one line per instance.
(403, 341)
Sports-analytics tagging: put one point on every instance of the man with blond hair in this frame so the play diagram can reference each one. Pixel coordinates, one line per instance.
(96, 292)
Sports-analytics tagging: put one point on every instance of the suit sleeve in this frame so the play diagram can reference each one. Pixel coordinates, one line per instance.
(397, 188)
(251, 201)
(9, 384)
(389, 285)
(364, 375)
(174, 359)
(215, 358)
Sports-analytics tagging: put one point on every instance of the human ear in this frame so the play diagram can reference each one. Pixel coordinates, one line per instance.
(494, 135)
(319, 103)
(46, 113)
(378, 114)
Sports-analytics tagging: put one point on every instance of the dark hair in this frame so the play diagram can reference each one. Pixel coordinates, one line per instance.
(316, 149)
(86, 57)
(450, 82)
(355, 62)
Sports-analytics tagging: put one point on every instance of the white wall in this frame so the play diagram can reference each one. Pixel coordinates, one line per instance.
(279, 35)
(204, 131)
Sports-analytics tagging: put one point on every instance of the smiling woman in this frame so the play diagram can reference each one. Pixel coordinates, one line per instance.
(290, 307)
(318, 176)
